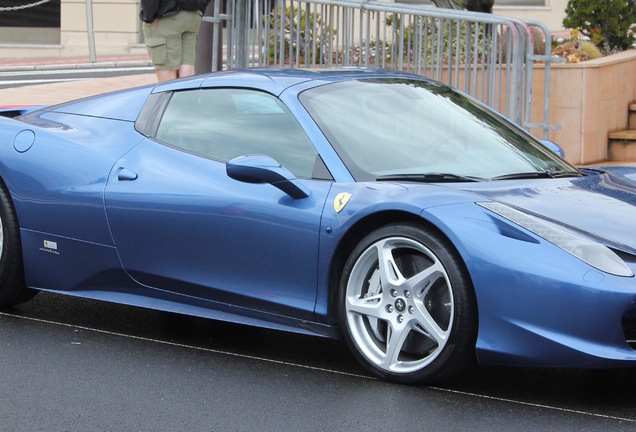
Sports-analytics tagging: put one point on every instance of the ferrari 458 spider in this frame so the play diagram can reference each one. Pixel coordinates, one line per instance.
(384, 208)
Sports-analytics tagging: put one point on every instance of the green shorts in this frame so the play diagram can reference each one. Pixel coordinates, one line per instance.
(171, 41)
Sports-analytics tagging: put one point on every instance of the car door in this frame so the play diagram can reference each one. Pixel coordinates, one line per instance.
(182, 225)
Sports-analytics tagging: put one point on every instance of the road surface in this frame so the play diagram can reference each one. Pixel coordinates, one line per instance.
(76, 364)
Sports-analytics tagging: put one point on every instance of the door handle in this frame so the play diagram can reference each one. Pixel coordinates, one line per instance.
(125, 174)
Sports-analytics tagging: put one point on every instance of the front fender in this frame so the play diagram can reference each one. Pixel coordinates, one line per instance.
(369, 206)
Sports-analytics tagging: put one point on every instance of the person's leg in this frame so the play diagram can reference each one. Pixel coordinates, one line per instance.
(185, 70)
(166, 74)
(189, 43)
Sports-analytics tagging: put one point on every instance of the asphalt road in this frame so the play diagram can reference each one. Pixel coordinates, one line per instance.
(33, 77)
(71, 364)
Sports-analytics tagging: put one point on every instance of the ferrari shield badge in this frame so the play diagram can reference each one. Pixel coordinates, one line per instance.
(341, 201)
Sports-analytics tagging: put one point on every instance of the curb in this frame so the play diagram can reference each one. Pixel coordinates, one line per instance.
(72, 66)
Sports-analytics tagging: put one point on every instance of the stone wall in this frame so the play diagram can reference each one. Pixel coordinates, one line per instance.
(588, 100)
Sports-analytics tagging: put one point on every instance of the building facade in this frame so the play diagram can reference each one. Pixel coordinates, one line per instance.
(26, 33)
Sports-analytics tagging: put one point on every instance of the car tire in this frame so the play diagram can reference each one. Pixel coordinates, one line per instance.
(405, 284)
(13, 289)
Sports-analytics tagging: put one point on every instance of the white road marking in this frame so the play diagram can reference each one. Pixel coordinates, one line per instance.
(176, 344)
(267, 360)
(535, 405)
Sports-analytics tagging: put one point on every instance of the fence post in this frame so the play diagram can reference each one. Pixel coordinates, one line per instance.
(241, 33)
(89, 28)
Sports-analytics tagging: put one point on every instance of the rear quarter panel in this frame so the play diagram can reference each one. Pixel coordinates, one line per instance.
(55, 166)
(57, 182)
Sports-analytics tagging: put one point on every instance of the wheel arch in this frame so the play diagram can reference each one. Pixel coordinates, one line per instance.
(363, 227)
(13, 289)
(9, 196)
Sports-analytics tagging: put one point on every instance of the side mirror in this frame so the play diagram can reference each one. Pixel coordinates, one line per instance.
(263, 169)
(554, 147)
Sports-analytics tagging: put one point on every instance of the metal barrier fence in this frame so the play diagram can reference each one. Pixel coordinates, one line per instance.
(489, 57)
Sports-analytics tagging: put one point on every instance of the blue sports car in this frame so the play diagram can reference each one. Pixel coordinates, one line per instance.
(380, 207)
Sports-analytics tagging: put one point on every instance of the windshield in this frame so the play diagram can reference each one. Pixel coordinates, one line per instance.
(388, 127)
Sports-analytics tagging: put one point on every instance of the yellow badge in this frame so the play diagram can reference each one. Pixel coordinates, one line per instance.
(341, 201)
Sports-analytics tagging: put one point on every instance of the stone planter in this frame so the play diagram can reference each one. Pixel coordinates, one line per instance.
(588, 100)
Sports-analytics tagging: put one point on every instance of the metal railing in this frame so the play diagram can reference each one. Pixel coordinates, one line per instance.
(487, 56)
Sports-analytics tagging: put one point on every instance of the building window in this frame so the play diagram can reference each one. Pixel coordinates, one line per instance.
(30, 21)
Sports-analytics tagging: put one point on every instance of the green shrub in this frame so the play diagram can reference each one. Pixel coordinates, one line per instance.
(606, 22)
(591, 50)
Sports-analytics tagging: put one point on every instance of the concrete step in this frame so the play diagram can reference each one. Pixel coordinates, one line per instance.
(622, 145)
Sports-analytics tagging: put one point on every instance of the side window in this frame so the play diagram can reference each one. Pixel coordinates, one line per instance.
(225, 123)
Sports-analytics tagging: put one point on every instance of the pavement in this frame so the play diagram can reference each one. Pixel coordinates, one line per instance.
(53, 93)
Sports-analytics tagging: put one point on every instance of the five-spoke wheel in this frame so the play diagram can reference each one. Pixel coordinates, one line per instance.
(407, 306)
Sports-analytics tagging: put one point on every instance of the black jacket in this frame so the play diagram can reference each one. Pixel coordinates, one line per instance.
(153, 9)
